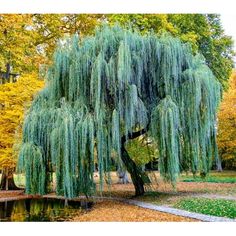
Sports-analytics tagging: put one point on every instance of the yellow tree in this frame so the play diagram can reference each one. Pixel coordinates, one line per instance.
(17, 42)
(28, 40)
(14, 98)
(227, 125)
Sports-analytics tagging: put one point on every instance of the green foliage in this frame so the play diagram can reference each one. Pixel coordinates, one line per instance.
(35, 168)
(206, 34)
(214, 207)
(102, 88)
(144, 23)
(203, 32)
(165, 128)
(142, 150)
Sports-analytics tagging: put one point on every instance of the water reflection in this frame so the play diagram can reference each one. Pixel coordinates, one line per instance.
(41, 209)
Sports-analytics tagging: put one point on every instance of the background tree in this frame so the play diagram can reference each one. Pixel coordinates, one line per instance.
(50, 28)
(14, 97)
(28, 40)
(206, 34)
(17, 43)
(227, 126)
(111, 88)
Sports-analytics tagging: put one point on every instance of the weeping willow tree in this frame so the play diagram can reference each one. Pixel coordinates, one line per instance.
(106, 89)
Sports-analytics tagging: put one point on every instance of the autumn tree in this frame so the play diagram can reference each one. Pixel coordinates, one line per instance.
(17, 43)
(227, 125)
(106, 90)
(50, 28)
(14, 98)
(28, 40)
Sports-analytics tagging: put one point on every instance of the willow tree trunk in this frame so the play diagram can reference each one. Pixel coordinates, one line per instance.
(7, 180)
(137, 175)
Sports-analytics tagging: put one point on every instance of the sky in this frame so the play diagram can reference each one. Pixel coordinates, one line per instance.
(228, 21)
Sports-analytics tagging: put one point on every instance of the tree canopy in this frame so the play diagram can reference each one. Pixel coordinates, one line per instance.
(29, 40)
(105, 89)
(204, 32)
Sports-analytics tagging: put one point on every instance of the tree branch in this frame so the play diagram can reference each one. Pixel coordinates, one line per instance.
(134, 135)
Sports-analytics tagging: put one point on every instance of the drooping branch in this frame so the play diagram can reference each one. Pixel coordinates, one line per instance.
(133, 135)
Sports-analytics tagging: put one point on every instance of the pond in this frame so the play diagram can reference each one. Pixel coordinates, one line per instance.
(43, 209)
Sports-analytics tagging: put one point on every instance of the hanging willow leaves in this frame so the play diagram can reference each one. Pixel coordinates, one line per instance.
(106, 86)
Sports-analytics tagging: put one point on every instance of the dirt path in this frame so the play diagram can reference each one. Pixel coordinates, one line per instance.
(12, 195)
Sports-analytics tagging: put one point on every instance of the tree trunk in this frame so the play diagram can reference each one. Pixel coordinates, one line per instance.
(123, 176)
(219, 163)
(7, 180)
(136, 174)
(219, 166)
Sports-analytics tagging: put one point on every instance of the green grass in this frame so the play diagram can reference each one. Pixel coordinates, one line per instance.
(214, 207)
(213, 177)
(210, 179)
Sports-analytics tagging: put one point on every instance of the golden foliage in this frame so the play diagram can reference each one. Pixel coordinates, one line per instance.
(17, 42)
(227, 124)
(110, 211)
(28, 40)
(14, 98)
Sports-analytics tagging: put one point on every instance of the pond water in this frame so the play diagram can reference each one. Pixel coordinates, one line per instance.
(45, 209)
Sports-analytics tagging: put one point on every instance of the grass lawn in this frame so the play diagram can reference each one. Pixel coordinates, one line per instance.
(213, 177)
(214, 207)
(210, 179)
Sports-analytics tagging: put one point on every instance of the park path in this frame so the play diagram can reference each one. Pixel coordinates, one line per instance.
(184, 213)
(174, 211)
